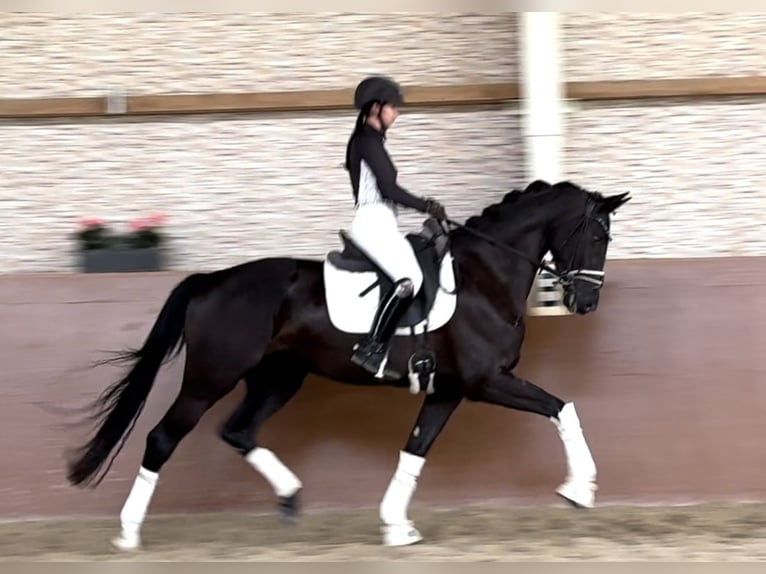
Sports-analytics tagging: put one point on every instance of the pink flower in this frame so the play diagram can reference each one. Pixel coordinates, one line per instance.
(91, 222)
(138, 224)
(156, 219)
(147, 222)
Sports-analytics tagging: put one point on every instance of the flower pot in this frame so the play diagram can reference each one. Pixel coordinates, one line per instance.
(120, 260)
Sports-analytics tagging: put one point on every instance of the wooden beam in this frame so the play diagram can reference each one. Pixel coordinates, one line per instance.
(311, 100)
(51, 107)
(470, 94)
(417, 96)
(240, 102)
(667, 88)
(315, 100)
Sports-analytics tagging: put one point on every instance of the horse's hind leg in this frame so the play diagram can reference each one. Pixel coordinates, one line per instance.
(197, 395)
(270, 386)
(510, 391)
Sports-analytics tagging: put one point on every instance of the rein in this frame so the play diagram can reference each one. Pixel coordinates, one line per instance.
(505, 247)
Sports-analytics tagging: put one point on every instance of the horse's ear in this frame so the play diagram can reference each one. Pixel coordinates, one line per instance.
(537, 185)
(613, 202)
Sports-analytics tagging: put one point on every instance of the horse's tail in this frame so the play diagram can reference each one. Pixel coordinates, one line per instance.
(117, 408)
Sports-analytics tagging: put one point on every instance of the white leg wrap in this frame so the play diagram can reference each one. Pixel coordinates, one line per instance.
(281, 478)
(134, 510)
(398, 529)
(580, 484)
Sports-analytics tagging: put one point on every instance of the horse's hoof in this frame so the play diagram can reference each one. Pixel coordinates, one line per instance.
(579, 495)
(400, 535)
(127, 542)
(289, 508)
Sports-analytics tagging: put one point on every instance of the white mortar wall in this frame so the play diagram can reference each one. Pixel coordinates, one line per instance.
(695, 167)
(237, 187)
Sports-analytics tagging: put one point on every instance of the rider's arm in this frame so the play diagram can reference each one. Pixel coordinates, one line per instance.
(374, 154)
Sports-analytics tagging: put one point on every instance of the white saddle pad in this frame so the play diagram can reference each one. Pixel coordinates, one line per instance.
(351, 313)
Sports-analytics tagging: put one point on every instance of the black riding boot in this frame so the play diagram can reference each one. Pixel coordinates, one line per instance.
(369, 354)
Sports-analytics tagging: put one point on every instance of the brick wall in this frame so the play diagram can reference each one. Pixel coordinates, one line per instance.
(695, 167)
(239, 186)
(242, 186)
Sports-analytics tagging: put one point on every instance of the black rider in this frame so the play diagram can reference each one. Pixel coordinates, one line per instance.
(375, 226)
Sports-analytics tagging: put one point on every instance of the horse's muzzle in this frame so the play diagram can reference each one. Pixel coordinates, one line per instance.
(581, 299)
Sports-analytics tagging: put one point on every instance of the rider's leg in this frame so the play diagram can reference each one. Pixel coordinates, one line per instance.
(375, 230)
(369, 354)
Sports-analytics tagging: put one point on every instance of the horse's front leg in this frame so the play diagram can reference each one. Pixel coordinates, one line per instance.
(510, 391)
(398, 529)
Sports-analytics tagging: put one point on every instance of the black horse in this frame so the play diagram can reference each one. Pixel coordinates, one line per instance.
(273, 321)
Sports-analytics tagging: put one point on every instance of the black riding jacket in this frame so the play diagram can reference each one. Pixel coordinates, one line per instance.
(373, 174)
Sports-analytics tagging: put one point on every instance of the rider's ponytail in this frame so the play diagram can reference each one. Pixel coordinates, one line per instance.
(360, 121)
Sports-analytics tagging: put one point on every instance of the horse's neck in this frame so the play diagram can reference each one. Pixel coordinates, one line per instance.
(506, 277)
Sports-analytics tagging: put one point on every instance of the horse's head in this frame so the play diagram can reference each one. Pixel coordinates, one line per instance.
(578, 241)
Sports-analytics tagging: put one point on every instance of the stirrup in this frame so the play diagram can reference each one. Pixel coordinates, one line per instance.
(421, 369)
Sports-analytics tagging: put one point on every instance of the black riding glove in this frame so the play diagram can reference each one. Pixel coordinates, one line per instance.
(435, 209)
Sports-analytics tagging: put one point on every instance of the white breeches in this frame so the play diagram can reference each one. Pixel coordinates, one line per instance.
(376, 230)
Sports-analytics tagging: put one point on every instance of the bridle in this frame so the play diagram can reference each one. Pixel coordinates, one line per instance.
(569, 276)
(592, 276)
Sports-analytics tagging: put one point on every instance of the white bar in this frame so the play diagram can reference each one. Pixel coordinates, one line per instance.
(542, 94)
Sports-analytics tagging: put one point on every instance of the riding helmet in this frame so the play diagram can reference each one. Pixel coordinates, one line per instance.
(378, 89)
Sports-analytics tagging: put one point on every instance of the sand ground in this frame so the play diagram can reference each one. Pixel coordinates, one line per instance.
(706, 532)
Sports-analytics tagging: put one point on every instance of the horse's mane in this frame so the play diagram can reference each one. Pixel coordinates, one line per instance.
(536, 190)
